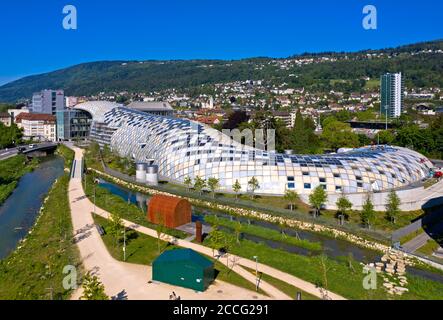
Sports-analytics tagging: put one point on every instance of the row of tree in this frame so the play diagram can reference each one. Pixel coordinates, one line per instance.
(213, 184)
(318, 198)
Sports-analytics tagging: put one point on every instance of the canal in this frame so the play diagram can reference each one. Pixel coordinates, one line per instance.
(19, 212)
(333, 248)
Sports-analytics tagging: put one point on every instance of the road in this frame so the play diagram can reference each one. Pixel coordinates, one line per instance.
(10, 152)
(95, 255)
(420, 240)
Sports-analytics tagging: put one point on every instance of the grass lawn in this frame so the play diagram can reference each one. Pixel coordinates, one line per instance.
(343, 277)
(430, 247)
(38, 262)
(142, 249)
(285, 287)
(411, 236)
(265, 233)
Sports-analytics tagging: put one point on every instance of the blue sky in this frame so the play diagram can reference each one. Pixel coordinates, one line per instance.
(33, 40)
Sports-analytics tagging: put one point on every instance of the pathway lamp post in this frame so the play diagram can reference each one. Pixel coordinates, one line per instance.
(256, 272)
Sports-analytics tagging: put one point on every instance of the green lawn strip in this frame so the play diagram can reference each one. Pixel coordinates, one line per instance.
(143, 249)
(422, 289)
(114, 204)
(265, 233)
(67, 154)
(430, 246)
(11, 170)
(37, 264)
(411, 236)
(285, 287)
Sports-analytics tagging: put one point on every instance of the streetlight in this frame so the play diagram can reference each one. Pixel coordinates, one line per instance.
(256, 272)
(96, 181)
(124, 242)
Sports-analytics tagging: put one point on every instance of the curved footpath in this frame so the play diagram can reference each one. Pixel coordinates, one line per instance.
(126, 280)
(131, 280)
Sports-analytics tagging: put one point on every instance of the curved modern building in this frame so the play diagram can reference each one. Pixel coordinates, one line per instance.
(184, 148)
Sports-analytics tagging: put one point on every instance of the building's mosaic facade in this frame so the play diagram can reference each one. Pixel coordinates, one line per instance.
(184, 148)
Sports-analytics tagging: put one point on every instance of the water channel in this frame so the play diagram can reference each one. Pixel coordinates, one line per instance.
(19, 212)
(333, 248)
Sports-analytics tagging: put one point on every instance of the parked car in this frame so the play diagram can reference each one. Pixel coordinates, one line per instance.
(31, 146)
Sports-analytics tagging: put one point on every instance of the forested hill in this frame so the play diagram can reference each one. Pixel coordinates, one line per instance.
(422, 64)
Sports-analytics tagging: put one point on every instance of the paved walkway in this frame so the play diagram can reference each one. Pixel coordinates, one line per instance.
(79, 199)
(125, 280)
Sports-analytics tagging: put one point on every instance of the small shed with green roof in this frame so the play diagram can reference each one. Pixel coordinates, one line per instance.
(184, 268)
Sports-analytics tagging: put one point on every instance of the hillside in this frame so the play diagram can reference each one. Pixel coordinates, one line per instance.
(421, 67)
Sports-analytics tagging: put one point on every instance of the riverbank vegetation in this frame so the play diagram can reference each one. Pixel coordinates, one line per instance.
(11, 170)
(35, 269)
(67, 154)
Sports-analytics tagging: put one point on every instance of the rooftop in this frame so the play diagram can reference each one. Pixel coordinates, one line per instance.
(176, 255)
(35, 117)
(150, 106)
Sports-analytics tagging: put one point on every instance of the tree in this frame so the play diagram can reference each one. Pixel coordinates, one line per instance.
(238, 228)
(253, 186)
(93, 289)
(116, 226)
(393, 206)
(368, 213)
(213, 184)
(188, 182)
(292, 197)
(317, 199)
(386, 137)
(199, 184)
(10, 136)
(302, 136)
(236, 187)
(343, 206)
(234, 119)
(338, 134)
(216, 239)
(324, 269)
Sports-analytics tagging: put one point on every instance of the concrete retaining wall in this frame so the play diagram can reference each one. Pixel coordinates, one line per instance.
(411, 199)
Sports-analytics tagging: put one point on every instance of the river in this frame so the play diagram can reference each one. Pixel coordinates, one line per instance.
(19, 212)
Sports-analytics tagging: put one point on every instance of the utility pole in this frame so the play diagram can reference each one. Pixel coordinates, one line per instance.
(256, 272)
(124, 243)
